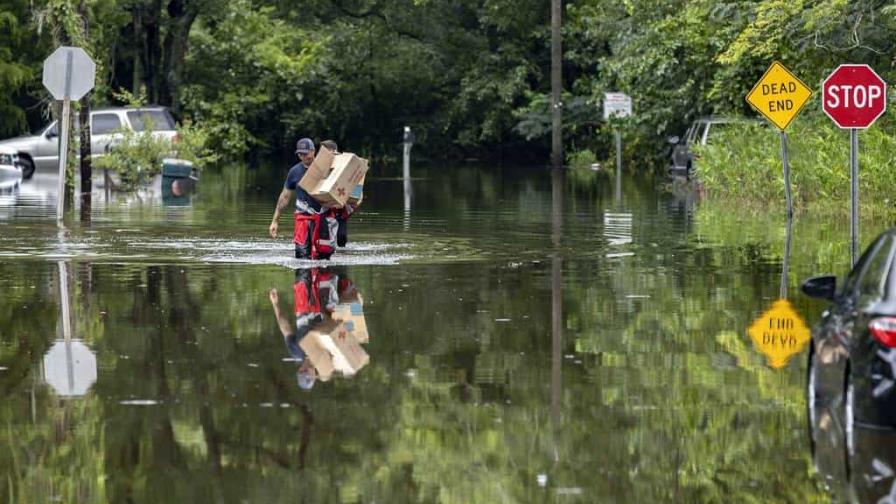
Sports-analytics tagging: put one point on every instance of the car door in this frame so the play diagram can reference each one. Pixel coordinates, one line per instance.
(105, 130)
(870, 363)
(46, 148)
(681, 155)
(841, 324)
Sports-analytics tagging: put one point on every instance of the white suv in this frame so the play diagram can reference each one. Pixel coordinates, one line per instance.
(40, 152)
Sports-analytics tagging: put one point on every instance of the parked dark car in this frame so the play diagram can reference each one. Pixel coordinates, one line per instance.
(867, 474)
(852, 356)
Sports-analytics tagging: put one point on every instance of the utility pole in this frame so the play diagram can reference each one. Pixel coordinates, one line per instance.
(556, 85)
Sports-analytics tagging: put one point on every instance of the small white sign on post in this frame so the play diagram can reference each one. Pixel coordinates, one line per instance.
(69, 74)
(617, 105)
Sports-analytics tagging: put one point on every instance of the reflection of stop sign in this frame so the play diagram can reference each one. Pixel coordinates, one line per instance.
(70, 368)
(854, 96)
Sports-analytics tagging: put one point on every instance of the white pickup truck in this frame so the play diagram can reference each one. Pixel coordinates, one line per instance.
(40, 152)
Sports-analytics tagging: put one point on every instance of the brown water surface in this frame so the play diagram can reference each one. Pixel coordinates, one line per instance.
(530, 337)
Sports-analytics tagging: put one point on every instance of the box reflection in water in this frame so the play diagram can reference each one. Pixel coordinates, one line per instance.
(329, 326)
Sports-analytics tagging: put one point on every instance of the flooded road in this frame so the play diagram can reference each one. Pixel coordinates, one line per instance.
(513, 336)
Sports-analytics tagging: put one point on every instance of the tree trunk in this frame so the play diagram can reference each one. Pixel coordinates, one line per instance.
(147, 43)
(84, 119)
(86, 161)
(556, 85)
(138, 84)
(159, 59)
(175, 52)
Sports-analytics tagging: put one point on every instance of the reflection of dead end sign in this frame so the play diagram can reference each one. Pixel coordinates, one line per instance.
(617, 105)
(70, 368)
(779, 333)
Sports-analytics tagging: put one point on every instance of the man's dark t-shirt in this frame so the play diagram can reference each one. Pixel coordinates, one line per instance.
(304, 202)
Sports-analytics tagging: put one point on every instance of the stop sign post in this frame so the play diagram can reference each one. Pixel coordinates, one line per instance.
(69, 74)
(854, 96)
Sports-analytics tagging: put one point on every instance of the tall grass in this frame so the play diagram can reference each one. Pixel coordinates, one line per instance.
(744, 164)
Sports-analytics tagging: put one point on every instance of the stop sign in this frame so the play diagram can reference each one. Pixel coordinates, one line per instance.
(69, 71)
(854, 96)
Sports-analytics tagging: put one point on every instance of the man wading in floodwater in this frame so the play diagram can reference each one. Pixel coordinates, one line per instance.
(315, 234)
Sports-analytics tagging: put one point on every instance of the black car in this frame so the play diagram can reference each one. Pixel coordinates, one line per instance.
(867, 474)
(853, 350)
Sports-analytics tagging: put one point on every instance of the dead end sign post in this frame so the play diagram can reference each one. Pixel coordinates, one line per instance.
(69, 74)
(779, 96)
(854, 96)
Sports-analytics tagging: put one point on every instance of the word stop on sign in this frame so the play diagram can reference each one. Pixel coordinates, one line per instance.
(854, 96)
(849, 96)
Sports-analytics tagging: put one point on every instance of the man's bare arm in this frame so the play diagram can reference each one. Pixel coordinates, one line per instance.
(282, 203)
(282, 322)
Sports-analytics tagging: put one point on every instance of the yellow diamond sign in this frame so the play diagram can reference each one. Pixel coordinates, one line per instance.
(779, 95)
(779, 333)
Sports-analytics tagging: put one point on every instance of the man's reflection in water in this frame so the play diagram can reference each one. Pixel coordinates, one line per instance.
(327, 332)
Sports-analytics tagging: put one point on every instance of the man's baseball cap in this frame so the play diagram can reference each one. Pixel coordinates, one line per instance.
(306, 380)
(304, 146)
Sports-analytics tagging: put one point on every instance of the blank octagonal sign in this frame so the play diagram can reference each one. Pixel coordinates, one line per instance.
(69, 60)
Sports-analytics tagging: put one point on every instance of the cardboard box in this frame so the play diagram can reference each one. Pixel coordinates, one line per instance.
(347, 355)
(357, 194)
(351, 353)
(348, 172)
(351, 313)
(331, 347)
(317, 352)
(318, 171)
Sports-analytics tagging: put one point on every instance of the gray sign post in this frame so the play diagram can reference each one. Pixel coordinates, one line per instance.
(69, 74)
(408, 142)
(617, 105)
(854, 96)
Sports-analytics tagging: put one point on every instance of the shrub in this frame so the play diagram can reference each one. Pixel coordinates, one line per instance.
(137, 157)
(745, 164)
(581, 159)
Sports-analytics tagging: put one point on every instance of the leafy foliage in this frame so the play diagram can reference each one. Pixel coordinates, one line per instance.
(19, 61)
(745, 164)
(137, 156)
(469, 76)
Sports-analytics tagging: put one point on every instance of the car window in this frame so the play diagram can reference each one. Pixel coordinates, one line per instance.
(104, 124)
(687, 134)
(697, 134)
(871, 283)
(871, 260)
(692, 133)
(161, 120)
(53, 131)
(716, 129)
(6, 159)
